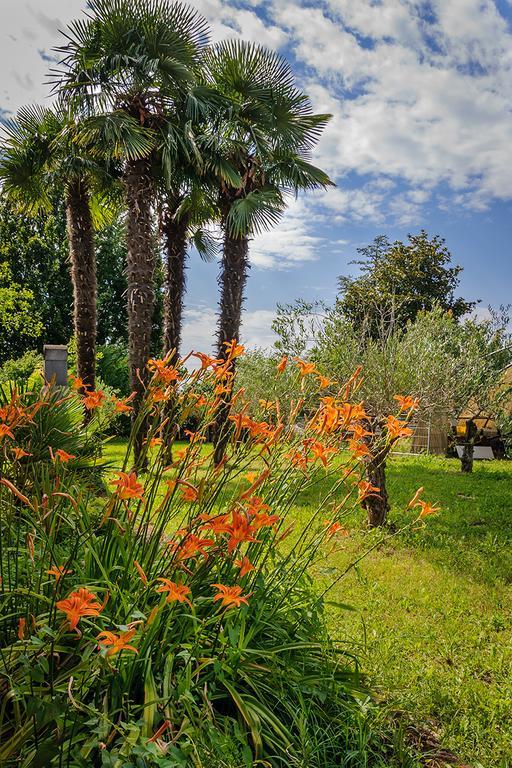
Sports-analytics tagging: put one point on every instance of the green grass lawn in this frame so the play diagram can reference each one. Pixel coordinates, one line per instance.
(432, 607)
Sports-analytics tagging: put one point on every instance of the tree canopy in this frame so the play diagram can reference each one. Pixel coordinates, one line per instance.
(398, 280)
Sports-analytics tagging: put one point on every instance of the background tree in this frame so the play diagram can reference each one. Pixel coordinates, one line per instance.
(398, 280)
(132, 59)
(34, 249)
(42, 157)
(446, 365)
(258, 151)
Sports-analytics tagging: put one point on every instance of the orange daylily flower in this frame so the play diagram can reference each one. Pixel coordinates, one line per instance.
(62, 456)
(427, 509)
(121, 406)
(176, 593)
(414, 500)
(189, 493)
(366, 489)
(304, 367)
(233, 349)
(324, 381)
(76, 383)
(58, 571)
(358, 449)
(155, 442)
(298, 459)
(244, 565)
(321, 452)
(19, 453)
(281, 366)
(205, 360)
(218, 524)
(192, 546)
(22, 623)
(406, 402)
(141, 573)
(127, 486)
(117, 643)
(334, 528)
(79, 604)
(93, 399)
(240, 531)
(158, 395)
(199, 400)
(327, 419)
(396, 428)
(230, 596)
(251, 477)
(163, 370)
(263, 520)
(5, 431)
(358, 431)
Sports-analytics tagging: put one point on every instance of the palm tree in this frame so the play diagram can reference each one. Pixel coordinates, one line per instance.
(258, 149)
(41, 158)
(136, 58)
(187, 211)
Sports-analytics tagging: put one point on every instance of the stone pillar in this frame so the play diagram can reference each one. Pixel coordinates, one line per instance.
(56, 364)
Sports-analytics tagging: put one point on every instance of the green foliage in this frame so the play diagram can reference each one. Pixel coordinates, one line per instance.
(35, 251)
(398, 280)
(445, 363)
(20, 319)
(23, 370)
(260, 682)
(113, 368)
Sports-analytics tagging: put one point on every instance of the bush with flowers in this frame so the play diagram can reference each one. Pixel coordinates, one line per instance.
(179, 626)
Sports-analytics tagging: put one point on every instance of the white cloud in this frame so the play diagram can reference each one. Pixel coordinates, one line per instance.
(200, 329)
(423, 102)
(30, 30)
(291, 242)
(419, 99)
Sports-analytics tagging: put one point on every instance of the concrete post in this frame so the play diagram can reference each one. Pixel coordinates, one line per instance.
(56, 364)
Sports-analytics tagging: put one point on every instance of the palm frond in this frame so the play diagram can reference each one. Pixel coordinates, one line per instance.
(256, 212)
(131, 46)
(206, 244)
(117, 134)
(295, 173)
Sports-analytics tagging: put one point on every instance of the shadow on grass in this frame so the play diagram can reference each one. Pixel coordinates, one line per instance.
(473, 533)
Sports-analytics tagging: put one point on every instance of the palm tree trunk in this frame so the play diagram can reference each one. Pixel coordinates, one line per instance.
(175, 237)
(138, 180)
(83, 276)
(232, 281)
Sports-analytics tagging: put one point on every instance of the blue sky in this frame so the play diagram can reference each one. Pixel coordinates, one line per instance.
(421, 136)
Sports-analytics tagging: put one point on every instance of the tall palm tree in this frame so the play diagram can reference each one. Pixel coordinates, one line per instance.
(259, 150)
(187, 210)
(41, 157)
(138, 58)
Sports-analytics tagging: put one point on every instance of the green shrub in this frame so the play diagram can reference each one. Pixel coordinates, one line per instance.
(25, 371)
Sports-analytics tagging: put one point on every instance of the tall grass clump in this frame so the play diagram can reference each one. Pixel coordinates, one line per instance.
(168, 619)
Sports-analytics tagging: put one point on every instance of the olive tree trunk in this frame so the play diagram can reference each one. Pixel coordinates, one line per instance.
(466, 461)
(140, 270)
(376, 506)
(232, 282)
(83, 276)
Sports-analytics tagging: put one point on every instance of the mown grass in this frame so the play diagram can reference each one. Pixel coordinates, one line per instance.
(432, 607)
